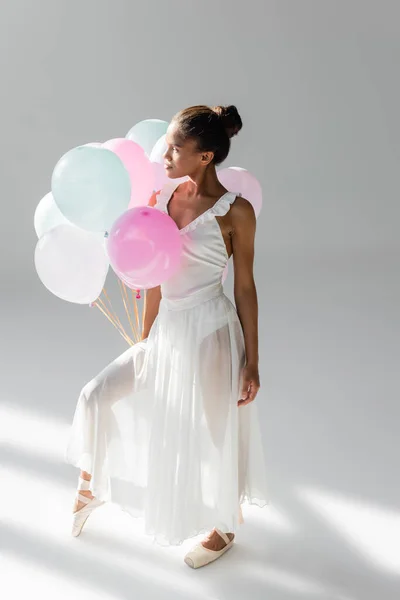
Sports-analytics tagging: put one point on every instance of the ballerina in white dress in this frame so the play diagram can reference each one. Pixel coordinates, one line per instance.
(169, 430)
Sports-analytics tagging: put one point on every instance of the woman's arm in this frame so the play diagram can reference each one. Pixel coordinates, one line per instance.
(153, 295)
(244, 230)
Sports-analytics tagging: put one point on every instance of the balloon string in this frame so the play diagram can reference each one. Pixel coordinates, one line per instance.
(116, 318)
(133, 324)
(106, 314)
(111, 321)
(144, 308)
(109, 312)
(116, 322)
(115, 314)
(135, 306)
(136, 313)
(124, 300)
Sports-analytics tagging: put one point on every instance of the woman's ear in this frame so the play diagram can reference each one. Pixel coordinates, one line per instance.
(206, 158)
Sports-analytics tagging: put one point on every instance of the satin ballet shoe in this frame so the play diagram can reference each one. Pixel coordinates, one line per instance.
(199, 556)
(80, 517)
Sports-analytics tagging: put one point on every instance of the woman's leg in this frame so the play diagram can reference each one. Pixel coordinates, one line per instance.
(121, 377)
(215, 381)
(78, 504)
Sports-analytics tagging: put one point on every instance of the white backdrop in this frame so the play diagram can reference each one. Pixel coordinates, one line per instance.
(316, 84)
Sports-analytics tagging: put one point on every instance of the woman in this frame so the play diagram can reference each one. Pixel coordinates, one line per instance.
(169, 430)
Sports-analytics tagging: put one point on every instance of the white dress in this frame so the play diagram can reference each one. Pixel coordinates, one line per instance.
(159, 429)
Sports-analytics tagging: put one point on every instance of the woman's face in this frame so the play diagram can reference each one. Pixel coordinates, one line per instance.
(181, 157)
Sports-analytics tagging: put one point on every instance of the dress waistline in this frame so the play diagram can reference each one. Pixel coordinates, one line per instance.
(192, 299)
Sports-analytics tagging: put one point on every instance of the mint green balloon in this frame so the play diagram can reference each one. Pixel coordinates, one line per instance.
(91, 187)
(147, 132)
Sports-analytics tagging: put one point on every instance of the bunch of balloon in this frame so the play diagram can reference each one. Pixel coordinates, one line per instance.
(97, 215)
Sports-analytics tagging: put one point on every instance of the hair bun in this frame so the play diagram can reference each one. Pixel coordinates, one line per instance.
(230, 118)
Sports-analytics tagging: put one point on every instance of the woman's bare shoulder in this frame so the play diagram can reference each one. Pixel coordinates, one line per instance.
(242, 210)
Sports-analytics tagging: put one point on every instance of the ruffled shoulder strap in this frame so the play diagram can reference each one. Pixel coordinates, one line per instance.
(220, 208)
(222, 205)
(165, 194)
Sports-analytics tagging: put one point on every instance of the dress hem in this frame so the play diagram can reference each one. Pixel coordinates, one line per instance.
(254, 502)
(246, 500)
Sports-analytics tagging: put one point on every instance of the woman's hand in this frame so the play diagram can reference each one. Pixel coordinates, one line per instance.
(251, 384)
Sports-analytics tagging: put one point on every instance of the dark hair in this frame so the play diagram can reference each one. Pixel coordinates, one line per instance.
(212, 127)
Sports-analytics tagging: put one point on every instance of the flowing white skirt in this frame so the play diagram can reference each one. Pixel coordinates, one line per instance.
(159, 428)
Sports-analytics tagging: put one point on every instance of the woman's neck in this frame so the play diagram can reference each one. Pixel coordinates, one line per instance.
(204, 185)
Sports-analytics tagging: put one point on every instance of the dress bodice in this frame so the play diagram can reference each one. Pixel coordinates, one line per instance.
(204, 254)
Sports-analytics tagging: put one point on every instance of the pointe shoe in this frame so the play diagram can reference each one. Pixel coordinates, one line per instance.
(80, 516)
(199, 556)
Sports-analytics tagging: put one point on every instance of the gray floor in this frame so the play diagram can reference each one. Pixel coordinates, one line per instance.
(328, 406)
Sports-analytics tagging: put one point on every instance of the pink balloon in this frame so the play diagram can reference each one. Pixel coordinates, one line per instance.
(144, 247)
(241, 181)
(138, 166)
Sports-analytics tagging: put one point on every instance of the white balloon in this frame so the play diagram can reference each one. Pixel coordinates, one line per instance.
(157, 163)
(48, 215)
(160, 147)
(72, 263)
